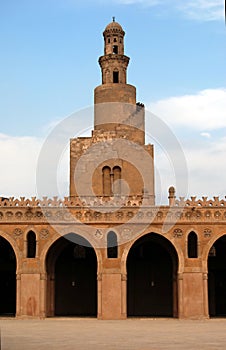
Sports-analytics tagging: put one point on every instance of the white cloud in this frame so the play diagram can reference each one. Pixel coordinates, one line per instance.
(206, 169)
(18, 159)
(201, 10)
(205, 134)
(203, 111)
(207, 10)
(191, 118)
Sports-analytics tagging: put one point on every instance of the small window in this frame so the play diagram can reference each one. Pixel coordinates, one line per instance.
(112, 245)
(106, 174)
(116, 180)
(31, 245)
(115, 40)
(192, 245)
(115, 49)
(109, 40)
(115, 77)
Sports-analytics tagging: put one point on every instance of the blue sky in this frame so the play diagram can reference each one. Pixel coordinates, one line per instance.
(48, 65)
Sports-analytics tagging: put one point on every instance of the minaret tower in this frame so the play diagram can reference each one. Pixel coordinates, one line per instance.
(115, 158)
(114, 88)
(114, 65)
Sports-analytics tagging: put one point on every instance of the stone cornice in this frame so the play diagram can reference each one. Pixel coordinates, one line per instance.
(96, 210)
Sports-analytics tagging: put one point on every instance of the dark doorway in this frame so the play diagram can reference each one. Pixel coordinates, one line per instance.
(7, 278)
(217, 278)
(72, 266)
(152, 283)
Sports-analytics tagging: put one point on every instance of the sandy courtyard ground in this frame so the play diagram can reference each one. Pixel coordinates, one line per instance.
(132, 334)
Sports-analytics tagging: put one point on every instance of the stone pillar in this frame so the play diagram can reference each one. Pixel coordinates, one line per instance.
(194, 303)
(111, 303)
(30, 295)
(50, 307)
(124, 296)
(43, 283)
(18, 295)
(99, 296)
(205, 295)
(180, 296)
(175, 296)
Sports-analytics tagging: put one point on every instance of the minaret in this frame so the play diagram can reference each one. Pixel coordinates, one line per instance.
(114, 88)
(115, 161)
(114, 69)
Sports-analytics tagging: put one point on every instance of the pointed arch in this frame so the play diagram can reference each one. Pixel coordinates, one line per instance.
(71, 261)
(8, 267)
(217, 277)
(152, 283)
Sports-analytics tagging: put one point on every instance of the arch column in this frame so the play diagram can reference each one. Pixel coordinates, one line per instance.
(43, 283)
(30, 294)
(193, 294)
(113, 295)
(99, 296)
(18, 295)
(180, 295)
(205, 296)
(124, 296)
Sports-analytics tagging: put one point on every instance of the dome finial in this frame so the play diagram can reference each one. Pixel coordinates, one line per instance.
(113, 18)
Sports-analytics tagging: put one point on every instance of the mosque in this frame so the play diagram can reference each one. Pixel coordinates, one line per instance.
(107, 250)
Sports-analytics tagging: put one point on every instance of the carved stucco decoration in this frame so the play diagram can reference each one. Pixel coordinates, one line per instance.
(44, 233)
(207, 232)
(17, 232)
(98, 234)
(178, 233)
(19, 214)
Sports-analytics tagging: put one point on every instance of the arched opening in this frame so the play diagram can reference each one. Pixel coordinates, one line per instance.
(115, 49)
(112, 245)
(152, 266)
(7, 278)
(106, 172)
(72, 277)
(115, 77)
(192, 245)
(217, 278)
(31, 245)
(117, 178)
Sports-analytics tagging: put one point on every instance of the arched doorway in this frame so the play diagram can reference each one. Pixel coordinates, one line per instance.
(72, 278)
(152, 266)
(217, 278)
(7, 278)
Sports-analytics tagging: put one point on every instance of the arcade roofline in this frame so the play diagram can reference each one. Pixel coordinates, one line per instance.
(110, 201)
